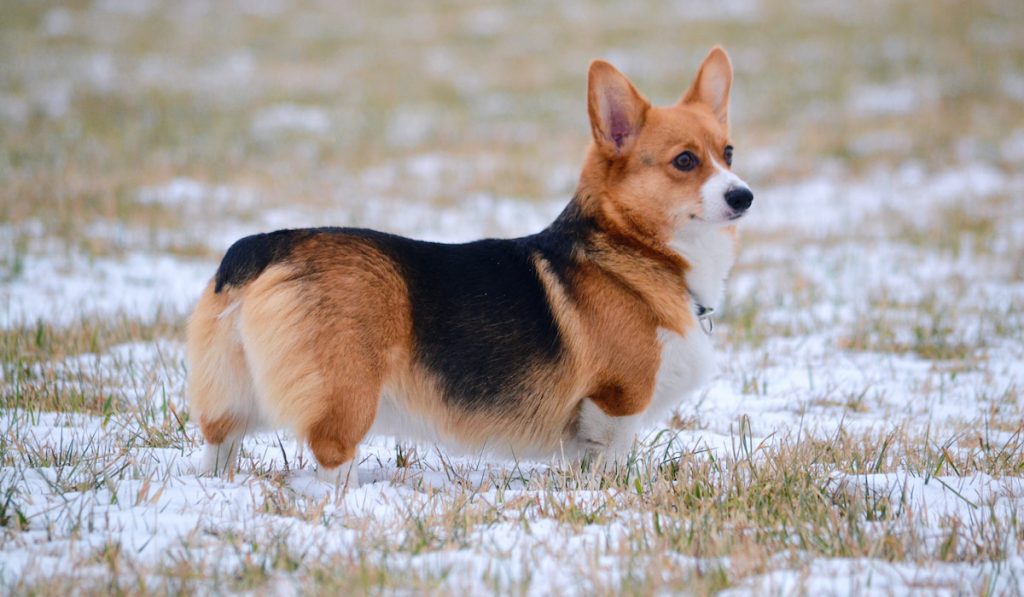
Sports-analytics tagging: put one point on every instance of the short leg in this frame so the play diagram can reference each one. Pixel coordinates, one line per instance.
(221, 459)
(334, 439)
(220, 386)
(603, 436)
(343, 476)
(223, 439)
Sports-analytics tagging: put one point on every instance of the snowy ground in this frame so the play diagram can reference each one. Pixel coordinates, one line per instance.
(866, 430)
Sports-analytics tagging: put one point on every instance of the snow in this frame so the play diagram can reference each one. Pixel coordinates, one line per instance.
(820, 256)
(57, 22)
(826, 204)
(186, 192)
(284, 118)
(871, 576)
(63, 289)
(901, 98)
(1013, 86)
(869, 300)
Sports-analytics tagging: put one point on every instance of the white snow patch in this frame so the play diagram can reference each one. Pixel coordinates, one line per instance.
(62, 289)
(863, 576)
(1013, 86)
(57, 22)
(188, 192)
(290, 118)
(832, 203)
(13, 109)
(1013, 146)
(887, 99)
(136, 8)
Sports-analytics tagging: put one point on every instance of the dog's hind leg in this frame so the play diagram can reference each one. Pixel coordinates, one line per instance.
(223, 439)
(349, 409)
(220, 388)
(337, 453)
(321, 376)
(319, 349)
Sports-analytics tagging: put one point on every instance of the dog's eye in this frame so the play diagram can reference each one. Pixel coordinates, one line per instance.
(685, 161)
(728, 155)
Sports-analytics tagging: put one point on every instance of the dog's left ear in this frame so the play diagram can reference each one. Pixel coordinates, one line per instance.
(711, 87)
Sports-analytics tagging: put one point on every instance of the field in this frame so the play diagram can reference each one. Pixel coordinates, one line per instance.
(865, 432)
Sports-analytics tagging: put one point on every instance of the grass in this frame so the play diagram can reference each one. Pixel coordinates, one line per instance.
(435, 118)
(60, 368)
(805, 498)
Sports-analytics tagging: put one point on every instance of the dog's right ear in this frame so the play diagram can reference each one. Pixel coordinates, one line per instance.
(617, 110)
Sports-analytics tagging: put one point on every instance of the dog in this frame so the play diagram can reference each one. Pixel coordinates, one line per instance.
(565, 342)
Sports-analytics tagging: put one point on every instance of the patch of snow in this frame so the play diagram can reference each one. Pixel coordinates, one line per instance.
(224, 79)
(409, 127)
(726, 11)
(52, 97)
(1012, 147)
(13, 109)
(881, 142)
(57, 22)
(290, 118)
(261, 8)
(188, 192)
(832, 203)
(1013, 86)
(863, 576)
(136, 8)
(63, 289)
(895, 98)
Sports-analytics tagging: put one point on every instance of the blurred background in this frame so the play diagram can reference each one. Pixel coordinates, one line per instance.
(139, 138)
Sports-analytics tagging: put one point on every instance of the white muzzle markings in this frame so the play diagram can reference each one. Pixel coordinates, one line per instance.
(712, 194)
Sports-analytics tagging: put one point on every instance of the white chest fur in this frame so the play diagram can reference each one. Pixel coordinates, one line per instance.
(710, 252)
(687, 363)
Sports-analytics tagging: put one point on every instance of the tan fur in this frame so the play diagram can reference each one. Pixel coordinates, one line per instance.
(220, 386)
(314, 342)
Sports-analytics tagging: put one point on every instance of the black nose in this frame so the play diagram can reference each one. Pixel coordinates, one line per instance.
(739, 198)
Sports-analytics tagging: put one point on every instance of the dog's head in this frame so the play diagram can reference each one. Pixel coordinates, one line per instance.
(655, 169)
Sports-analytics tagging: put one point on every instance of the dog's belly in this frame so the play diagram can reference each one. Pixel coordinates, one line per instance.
(509, 435)
(687, 363)
(394, 419)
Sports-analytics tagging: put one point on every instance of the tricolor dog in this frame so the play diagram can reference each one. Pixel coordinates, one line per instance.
(564, 342)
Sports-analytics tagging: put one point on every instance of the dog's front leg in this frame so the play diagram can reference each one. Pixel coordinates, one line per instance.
(601, 437)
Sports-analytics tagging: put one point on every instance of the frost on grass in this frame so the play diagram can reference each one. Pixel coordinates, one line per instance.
(66, 289)
(864, 433)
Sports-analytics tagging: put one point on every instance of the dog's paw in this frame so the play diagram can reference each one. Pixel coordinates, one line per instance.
(343, 477)
(219, 459)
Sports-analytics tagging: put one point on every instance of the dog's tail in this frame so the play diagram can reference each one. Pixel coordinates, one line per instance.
(248, 257)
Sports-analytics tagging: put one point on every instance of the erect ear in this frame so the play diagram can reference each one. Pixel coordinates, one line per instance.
(617, 110)
(711, 87)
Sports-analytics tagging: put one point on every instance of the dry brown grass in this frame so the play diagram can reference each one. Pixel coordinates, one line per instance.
(492, 97)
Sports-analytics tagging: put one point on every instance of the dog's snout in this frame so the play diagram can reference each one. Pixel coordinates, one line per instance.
(739, 198)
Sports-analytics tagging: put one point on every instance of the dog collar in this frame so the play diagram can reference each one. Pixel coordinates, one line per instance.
(704, 316)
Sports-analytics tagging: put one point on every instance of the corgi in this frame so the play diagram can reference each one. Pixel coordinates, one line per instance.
(565, 342)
